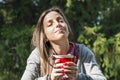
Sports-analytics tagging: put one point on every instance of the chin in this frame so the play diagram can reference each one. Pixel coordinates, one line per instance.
(62, 37)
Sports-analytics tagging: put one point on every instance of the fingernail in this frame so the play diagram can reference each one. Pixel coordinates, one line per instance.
(65, 64)
(61, 66)
(63, 71)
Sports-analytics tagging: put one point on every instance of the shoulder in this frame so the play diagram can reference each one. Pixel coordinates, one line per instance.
(34, 56)
(84, 52)
(85, 49)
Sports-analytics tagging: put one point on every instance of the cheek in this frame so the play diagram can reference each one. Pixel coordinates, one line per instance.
(66, 27)
(48, 33)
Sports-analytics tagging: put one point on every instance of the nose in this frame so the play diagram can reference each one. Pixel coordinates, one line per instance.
(57, 24)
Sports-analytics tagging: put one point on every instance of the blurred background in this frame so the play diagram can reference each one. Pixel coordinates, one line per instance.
(95, 23)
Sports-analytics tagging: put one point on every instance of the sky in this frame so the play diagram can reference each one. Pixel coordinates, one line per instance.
(1, 0)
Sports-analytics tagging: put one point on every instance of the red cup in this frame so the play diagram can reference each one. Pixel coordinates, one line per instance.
(64, 58)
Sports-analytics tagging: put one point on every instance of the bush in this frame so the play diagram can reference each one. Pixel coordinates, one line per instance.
(107, 50)
(14, 49)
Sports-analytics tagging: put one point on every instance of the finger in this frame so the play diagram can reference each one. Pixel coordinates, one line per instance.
(59, 65)
(59, 70)
(57, 76)
(70, 71)
(72, 75)
(63, 71)
(70, 64)
(73, 68)
(57, 73)
(57, 61)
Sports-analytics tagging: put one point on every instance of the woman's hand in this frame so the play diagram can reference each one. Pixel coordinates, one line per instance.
(57, 72)
(60, 69)
(70, 68)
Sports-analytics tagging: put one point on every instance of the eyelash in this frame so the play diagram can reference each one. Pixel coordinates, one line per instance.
(58, 21)
(49, 24)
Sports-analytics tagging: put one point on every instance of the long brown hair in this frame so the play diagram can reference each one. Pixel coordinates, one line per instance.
(39, 41)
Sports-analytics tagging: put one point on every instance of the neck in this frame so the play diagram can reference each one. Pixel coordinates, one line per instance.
(61, 48)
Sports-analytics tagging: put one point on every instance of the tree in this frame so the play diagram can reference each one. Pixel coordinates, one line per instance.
(94, 23)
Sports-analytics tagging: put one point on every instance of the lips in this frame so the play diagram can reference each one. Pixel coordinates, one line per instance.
(59, 30)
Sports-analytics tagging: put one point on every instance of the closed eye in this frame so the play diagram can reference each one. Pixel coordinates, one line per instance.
(49, 23)
(59, 19)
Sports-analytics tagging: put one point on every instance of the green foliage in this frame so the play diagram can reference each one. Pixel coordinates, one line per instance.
(1, 18)
(106, 50)
(14, 49)
(94, 23)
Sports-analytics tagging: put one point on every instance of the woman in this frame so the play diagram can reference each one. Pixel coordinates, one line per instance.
(52, 37)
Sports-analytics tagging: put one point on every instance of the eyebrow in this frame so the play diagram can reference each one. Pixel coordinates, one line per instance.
(47, 20)
(59, 17)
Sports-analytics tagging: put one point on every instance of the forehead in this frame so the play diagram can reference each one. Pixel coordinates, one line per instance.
(52, 14)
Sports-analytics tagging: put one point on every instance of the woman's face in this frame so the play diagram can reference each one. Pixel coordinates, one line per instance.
(55, 27)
